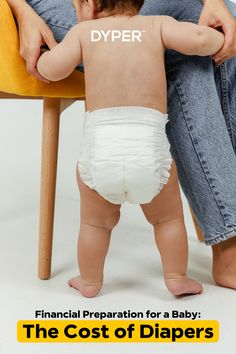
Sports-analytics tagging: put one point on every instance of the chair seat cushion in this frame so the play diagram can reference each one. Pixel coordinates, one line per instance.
(13, 75)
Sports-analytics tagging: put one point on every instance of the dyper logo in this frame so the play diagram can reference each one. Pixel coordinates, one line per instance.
(113, 35)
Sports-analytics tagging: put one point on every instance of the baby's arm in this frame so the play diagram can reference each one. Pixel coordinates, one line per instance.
(60, 61)
(190, 39)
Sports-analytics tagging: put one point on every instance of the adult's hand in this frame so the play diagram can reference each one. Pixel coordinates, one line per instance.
(216, 14)
(33, 33)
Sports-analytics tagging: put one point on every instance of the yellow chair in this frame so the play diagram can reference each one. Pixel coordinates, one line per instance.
(16, 83)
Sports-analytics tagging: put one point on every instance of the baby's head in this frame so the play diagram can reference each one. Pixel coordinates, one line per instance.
(92, 9)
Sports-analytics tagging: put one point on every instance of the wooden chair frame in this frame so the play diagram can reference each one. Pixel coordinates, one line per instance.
(50, 137)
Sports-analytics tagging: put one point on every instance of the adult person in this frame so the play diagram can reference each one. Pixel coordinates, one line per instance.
(202, 111)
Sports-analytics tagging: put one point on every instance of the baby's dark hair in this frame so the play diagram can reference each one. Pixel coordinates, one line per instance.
(121, 5)
(118, 5)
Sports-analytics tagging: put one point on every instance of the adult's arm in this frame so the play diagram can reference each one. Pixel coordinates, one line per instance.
(33, 33)
(216, 14)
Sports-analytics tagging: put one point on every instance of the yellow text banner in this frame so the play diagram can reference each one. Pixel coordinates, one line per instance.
(84, 331)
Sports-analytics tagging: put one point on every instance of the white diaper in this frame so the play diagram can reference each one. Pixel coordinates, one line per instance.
(125, 153)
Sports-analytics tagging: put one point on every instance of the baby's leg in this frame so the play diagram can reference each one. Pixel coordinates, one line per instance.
(98, 218)
(165, 213)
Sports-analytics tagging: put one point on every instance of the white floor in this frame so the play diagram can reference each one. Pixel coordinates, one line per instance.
(133, 278)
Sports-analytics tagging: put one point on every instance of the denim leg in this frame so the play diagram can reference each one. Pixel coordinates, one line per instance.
(199, 130)
(228, 77)
(180, 10)
(201, 147)
(59, 15)
(226, 86)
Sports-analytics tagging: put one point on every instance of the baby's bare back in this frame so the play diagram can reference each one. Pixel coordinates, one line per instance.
(123, 59)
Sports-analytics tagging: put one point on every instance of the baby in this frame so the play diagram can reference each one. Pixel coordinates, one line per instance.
(125, 152)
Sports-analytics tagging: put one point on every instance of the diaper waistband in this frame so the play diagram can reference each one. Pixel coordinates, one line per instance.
(126, 115)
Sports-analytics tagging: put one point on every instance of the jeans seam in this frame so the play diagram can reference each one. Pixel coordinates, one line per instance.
(180, 160)
(185, 113)
(225, 103)
(188, 20)
(214, 239)
(58, 26)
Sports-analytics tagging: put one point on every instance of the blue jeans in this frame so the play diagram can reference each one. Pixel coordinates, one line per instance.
(202, 117)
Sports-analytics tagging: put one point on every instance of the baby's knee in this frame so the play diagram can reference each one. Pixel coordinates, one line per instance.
(105, 221)
(155, 219)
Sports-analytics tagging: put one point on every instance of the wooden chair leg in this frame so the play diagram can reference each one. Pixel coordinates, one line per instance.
(198, 231)
(50, 136)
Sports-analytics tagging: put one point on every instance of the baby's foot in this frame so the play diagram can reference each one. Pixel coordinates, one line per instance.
(181, 285)
(87, 289)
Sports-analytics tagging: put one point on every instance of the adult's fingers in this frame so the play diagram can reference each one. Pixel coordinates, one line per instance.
(205, 21)
(31, 64)
(229, 48)
(49, 40)
(36, 74)
(208, 20)
(220, 62)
